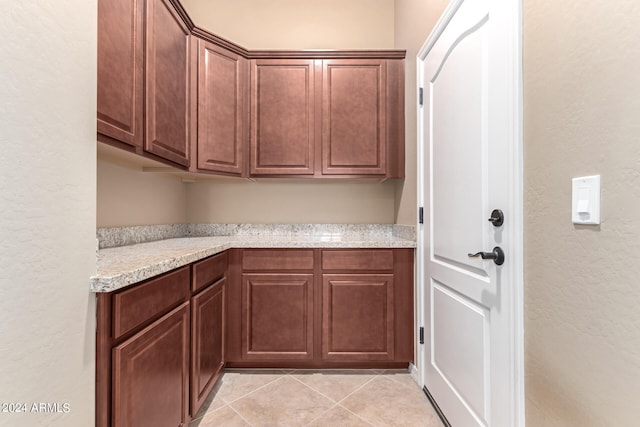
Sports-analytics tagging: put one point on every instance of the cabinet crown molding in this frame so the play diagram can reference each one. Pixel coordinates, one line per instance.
(298, 53)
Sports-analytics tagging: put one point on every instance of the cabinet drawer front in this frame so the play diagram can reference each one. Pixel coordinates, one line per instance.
(208, 271)
(277, 260)
(135, 306)
(361, 259)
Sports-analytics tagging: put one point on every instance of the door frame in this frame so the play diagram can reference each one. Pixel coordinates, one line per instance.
(513, 11)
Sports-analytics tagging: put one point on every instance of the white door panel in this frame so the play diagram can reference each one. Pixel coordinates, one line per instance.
(458, 144)
(469, 156)
(461, 359)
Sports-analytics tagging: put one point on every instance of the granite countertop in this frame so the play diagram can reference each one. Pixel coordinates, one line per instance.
(122, 266)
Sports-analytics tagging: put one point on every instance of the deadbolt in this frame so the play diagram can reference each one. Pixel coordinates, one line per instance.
(497, 218)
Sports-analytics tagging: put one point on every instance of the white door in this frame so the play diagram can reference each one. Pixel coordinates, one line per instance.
(470, 139)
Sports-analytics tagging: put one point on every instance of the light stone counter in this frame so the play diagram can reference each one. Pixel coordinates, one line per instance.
(125, 265)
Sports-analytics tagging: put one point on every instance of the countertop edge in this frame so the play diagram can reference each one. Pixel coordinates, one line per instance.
(104, 283)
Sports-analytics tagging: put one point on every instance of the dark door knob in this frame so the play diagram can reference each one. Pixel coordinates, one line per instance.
(497, 255)
(497, 218)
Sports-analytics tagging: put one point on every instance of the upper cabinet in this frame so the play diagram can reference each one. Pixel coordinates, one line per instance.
(120, 70)
(222, 83)
(167, 83)
(354, 104)
(175, 92)
(283, 119)
(144, 71)
(327, 117)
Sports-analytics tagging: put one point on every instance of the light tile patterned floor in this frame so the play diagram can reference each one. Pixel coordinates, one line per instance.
(316, 398)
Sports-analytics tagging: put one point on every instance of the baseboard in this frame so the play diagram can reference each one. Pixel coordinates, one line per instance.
(413, 371)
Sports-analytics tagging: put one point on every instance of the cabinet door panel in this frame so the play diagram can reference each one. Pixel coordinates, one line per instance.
(277, 318)
(221, 76)
(282, 117)
(151, 374)
(207, 342)
(357, 317)
(354, 134)
(120, 61)
(167, 83)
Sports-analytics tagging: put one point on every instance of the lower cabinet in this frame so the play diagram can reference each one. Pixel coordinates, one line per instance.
(151, 374)
(320, 308)
(357, 317)
(207, 342)
(160, 346)
(277, 316)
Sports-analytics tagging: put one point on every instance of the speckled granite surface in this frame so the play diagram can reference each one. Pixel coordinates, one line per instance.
(125, 265)
(122, 236)
(122, 266)
(404, 231)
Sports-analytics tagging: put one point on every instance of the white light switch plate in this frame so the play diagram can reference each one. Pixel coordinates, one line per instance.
(585, 205)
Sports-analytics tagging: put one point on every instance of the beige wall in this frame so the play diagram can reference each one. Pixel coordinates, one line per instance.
(291, 202)
(47, 210)
(332, 24)
(296, 24)
(582, 284)
(128, 196)
(414, 20)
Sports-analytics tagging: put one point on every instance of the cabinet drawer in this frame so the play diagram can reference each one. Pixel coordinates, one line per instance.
(135, 306)
(277, 260)
(361, 259)
(208, 271)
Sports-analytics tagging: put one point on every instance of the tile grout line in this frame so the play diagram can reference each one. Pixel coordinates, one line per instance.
(322, 414)
(314, 390)
(357, 389)
(334, 403)
(252, 391)
(240, 415)
(285, 374)
(339, 403)
(213, 392)
(356, 415)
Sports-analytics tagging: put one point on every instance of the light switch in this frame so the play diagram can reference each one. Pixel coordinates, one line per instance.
(585, 206)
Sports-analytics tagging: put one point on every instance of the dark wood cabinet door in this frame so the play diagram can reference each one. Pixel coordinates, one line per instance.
(120, 70)
(277, 316)
(354, 128)
(283, 123)
(167, 83)
(357, 317)
(151, 374)
(207, 342)
(222, 80)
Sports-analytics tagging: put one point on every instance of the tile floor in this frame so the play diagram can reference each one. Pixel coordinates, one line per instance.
(316, 398)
